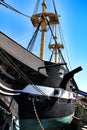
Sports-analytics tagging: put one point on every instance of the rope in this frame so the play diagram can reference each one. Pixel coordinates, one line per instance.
(13, 9)
(63, 41)
(54, 7)
(31, 43)
(73, 81)
(51, 55)
(36, 7)
(61, 34)
(50, 43)
(14, 66)
(56, 43)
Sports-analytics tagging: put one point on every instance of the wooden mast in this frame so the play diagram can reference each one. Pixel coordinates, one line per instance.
(56, 47)
(42, 17)
(43, 26)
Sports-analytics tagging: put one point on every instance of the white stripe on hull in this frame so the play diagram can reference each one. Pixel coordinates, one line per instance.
(36, 90)
(49, 91)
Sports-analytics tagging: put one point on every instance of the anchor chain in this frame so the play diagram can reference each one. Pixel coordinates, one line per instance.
(37, 117)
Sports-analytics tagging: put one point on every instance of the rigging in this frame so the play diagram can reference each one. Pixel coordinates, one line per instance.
(18, 70)
(61, 34)
(36, 7)
(13, 9)
(31, 43)
(17, 11)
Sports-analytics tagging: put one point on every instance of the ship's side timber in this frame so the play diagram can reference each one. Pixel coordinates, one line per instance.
(54, 113)
(55, 74)
(48, 124)
(16, 74)
(25, 61)
(21, 54)
(47, 108)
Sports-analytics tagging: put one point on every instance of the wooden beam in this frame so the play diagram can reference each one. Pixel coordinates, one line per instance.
(21, 54)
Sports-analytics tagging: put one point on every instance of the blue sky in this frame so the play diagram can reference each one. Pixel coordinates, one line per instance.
(73, 22)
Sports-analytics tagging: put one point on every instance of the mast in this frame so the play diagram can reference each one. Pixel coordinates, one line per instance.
(56, 47)
(43, 27)
(45, 18)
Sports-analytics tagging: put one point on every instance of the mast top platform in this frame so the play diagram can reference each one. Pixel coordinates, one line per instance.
(52, 18)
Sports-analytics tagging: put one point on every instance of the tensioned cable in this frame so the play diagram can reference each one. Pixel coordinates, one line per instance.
(53, 34)
(50, 43)
(24, 37)
(36, 7)
(61, 34)
(62, 55)
(54, 7)
(63, 41)
(17, 11)
(14, 66)
(66, 49)
(56, 43)
(13, 9)
(20, 72)
(51, 55)
(30, 45)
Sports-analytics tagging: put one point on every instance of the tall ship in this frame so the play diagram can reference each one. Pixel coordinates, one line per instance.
(36, 94)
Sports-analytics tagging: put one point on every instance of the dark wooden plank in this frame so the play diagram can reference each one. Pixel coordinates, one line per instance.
(21, 54)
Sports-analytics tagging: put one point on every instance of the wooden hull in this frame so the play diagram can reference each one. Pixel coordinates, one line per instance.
(18, 72)
(47, 108)
(48, 124)
(53, 113)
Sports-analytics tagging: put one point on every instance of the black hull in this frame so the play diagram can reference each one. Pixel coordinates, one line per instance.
(46, 107)
(17, 72)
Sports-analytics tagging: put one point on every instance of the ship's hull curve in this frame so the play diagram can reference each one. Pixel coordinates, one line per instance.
(48, 124)
(45, 107)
